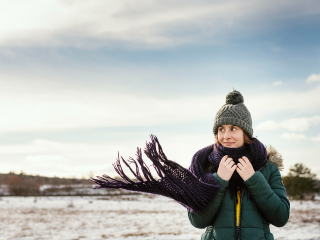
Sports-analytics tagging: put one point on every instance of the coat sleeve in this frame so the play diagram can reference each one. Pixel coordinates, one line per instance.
(205, 217)
(270, 197)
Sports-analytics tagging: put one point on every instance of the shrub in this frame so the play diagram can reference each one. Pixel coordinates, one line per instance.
(22, 187)
(300, 182)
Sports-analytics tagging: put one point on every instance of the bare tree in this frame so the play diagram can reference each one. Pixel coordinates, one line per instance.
(19, 186)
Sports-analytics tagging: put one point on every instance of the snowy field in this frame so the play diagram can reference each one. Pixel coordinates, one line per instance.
(130, 217)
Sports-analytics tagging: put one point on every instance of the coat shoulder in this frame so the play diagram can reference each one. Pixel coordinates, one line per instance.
(275, 157)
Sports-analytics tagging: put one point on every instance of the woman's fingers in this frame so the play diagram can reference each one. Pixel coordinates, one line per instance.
(231, 163)
(226, 168)
(240, 166)
(241, 162)
(244, 168)
(245, 158)
(224, 160)
(225, 157)
(234, 167)
(228, 161)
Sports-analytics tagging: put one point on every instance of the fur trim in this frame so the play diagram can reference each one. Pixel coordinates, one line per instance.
(275, 157)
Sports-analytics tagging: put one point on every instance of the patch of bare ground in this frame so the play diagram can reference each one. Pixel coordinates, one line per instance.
(307, 215)
(170, 233)
(22, 235)
(68, 211)
(137, 234)
(310, 220)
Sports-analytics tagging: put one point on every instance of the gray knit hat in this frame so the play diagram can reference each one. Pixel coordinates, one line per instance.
(234, 112)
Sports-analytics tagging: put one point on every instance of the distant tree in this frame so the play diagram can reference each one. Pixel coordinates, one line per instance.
(300, 182)
(19, 186)
(14, 185)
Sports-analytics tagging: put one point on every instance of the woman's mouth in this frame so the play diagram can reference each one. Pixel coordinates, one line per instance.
(228, 143)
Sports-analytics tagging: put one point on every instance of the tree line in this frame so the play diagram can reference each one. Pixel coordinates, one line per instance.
(29, 185)
(300, 183)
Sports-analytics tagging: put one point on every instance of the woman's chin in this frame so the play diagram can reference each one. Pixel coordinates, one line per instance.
(232, 145)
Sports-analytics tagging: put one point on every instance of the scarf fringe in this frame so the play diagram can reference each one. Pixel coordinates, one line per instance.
(158, 159)
(174, 180)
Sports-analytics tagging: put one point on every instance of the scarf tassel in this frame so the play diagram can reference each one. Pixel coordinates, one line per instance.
(174, 180)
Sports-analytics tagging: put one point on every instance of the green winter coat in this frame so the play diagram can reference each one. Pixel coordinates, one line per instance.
(266, 203)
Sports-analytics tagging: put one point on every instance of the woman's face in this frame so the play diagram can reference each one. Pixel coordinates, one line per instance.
(230, 136)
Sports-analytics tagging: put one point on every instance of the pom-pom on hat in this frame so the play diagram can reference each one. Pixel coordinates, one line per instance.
(234, 112)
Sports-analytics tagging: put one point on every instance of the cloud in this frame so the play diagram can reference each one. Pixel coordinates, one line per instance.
(51, 158)
(266, 103)
(39, 113)
(51, 150)
(316, 139)
(137, 22)
(39, 106)
(313, 78)
(294, 136)
(277, 83)
(36, 104)
(62, 159)
(294, 124)
(268, 125)
(36, 159)
(300, 124)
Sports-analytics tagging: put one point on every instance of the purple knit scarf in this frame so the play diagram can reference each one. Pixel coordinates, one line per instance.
(193, 188)
(255, 152)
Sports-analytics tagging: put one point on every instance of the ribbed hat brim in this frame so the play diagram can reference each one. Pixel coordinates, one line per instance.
(234, 121)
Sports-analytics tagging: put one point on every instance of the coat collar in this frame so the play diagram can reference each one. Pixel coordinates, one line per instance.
(275, 157)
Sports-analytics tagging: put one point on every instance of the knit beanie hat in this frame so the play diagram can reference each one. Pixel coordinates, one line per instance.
(234, 112)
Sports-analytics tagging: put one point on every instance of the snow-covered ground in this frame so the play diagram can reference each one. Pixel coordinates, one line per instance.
(135, 217)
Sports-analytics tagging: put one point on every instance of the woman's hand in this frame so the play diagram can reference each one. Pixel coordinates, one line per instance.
(226, 168)
(244, 168)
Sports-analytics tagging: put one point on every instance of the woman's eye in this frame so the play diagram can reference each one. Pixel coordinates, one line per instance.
(221, 129)
(233, 129)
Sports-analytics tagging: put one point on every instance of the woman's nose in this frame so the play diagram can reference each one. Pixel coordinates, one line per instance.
(227, 134)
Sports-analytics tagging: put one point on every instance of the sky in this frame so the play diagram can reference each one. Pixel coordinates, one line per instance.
(81, 80)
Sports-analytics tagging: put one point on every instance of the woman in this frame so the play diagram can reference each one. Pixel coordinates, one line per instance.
(251, 193)
(233, 187)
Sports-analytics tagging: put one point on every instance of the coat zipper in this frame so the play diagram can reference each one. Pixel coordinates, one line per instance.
(238, 226)
(263, 166)
(235, 204)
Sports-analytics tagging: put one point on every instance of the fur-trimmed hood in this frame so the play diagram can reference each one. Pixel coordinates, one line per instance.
(275, 157)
